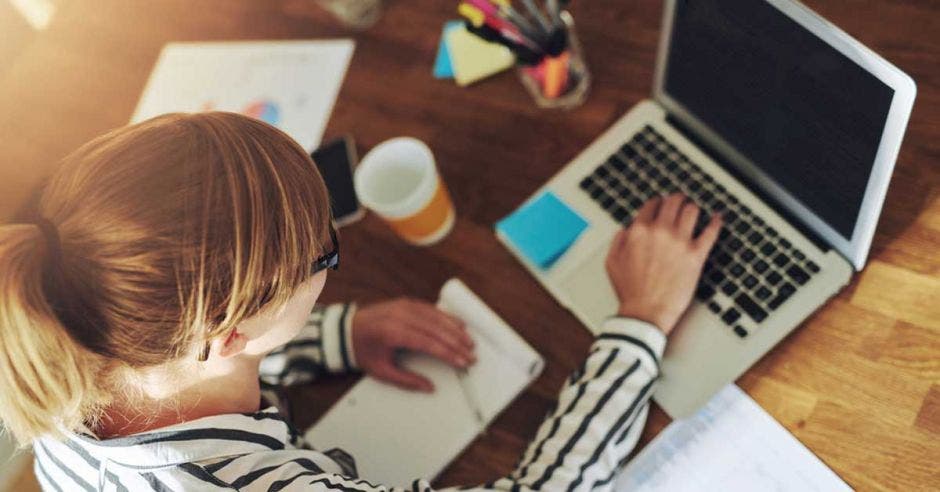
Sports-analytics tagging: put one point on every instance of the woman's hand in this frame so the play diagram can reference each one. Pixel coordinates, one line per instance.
(654, 264)
(380, 331)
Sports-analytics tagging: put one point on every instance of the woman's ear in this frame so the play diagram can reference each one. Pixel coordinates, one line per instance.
(233, 344)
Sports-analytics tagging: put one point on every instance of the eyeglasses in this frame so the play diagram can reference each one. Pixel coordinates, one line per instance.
(329, 260)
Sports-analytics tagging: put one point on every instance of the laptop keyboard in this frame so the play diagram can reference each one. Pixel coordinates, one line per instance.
(755, 270)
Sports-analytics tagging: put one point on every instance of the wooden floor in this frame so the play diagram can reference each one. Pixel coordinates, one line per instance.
(858, 383)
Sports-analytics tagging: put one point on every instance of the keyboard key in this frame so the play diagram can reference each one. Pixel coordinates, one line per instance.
(707, 196)
(750, 281)
(750, 307)
(784, 243)
(607, 202)
(735, 244)
(761, 266)
(812, 267)
(745, 210)
(729, 288)
(768, 249)
(714, 307)
(704, 292)
(586, 183)
(774, 278)
(730, 316)
(781, 259)
(771, 232)
(755, 237)
(596, 192)
(723, 259)
(762, 293)
(747, 255)
(797, 274)
(628, 151)
(782, 295)
(742, 227)
(724, 232)
(799, 255)
(602, 171)
(739, 331)
(636, 203)
(758, 221)
(716, 276)
(730, 216)
(736, 270)
(619, 214)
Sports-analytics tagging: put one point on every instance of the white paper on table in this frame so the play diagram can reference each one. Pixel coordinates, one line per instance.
(290, 84)
(731, 444)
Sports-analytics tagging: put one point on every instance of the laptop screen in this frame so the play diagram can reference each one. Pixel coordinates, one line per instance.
(801, 111)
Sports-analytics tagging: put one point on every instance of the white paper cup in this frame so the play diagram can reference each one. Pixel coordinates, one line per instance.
(399, 181)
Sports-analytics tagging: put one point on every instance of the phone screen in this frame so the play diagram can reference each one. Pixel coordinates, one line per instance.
(335, 163)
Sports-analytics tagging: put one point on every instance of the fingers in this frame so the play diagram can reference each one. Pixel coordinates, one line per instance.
(421, 341)
(402, 378)
(669, 210)
(444, 327)
(647, 212)
(704, 242)
(687, 217)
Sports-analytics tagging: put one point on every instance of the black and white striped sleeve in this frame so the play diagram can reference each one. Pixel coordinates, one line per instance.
(600, 413)
(323, 345)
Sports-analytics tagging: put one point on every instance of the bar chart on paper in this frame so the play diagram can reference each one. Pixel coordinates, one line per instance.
(289, 84)
(731, 445)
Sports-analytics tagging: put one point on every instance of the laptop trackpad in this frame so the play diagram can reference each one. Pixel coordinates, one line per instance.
(588, 289)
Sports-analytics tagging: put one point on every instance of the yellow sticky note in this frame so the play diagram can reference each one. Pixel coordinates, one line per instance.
(473, 58)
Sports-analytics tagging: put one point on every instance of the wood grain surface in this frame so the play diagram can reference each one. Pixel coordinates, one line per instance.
(858, 383)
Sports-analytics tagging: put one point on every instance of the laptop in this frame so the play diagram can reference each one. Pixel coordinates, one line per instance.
(767, 113)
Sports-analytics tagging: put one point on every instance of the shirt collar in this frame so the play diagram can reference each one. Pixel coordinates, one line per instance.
(197, 440)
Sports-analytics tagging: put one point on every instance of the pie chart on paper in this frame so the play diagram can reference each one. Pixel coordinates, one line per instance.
(263, 110)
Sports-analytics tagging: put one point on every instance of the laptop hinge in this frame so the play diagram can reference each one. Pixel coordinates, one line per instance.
(766, 198)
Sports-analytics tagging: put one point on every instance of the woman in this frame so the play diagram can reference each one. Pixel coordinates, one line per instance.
(164, 291)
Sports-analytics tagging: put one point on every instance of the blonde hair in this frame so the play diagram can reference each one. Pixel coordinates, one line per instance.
(170, 233)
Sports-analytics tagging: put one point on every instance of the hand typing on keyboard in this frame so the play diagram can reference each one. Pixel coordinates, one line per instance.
(655, 263)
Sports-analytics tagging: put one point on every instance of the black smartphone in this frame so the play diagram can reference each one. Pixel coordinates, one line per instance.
(336, 160)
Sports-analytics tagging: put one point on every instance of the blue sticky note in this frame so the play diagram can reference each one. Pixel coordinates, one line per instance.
(543, 229)
(443, 69)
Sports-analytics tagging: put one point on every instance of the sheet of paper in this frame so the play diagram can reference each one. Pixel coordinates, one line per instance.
(543, 229)
(290, 84)
(731, 445)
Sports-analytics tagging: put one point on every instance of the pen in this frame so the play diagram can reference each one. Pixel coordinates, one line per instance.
(537, 14)
(471, 397)
(524, 55)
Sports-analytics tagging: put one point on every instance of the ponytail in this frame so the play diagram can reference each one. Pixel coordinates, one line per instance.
(47, 380)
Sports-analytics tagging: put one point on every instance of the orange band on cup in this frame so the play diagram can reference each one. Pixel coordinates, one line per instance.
(425, 222)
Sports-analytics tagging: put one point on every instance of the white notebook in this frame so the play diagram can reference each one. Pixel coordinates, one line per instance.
(397, 436)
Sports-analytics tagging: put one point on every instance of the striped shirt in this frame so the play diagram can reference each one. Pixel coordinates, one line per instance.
(580, 445)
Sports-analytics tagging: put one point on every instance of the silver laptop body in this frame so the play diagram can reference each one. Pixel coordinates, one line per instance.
(706, 351)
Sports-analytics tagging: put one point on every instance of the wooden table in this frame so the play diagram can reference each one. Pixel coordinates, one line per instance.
(859, 383)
